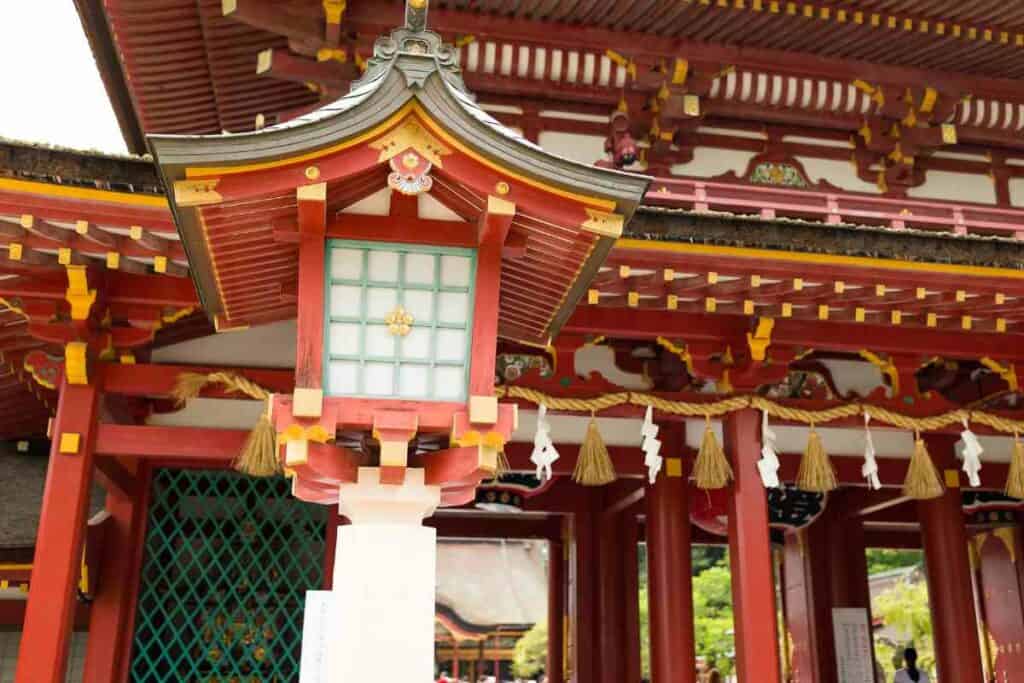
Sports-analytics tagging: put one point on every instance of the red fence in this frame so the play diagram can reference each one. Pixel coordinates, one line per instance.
(834, 207)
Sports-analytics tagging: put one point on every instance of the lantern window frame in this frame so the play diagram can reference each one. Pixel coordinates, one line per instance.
(401, 285)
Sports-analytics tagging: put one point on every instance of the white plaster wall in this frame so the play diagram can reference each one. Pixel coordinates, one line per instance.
(586, 149)
(709, 162)
(842, 174)
(265, 346)
(963, 187)
(377, 204)
(222, 413)
(1017, 191)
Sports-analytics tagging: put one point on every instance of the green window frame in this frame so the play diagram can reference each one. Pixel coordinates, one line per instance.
(360, 357)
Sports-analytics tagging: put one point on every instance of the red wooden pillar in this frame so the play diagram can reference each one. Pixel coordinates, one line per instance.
(808, 607)
(750, 555)
(670, 581)
(43, 656)
(826, 567)
(954, 622)
(631, 570)
(612, 593)
(110, 617)
(586, 656)
(556, 612)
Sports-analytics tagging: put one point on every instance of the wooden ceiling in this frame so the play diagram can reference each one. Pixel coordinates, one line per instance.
(191, 67)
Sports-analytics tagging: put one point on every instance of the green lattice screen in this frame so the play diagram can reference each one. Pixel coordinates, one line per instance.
(227, 564)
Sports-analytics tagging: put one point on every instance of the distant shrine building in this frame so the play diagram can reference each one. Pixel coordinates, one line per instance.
(408, 326)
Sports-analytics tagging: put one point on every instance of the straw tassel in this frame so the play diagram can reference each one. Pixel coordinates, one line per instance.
(594, 467)
(501, 467)
(816, 474)
(1015, 482)
(188, 386)
(258, 457)
(923, 481)
(712, 469)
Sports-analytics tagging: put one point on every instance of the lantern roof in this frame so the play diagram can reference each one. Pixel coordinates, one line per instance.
(411, 96)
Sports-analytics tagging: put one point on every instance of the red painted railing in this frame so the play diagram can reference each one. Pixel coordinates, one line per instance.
(836, 207)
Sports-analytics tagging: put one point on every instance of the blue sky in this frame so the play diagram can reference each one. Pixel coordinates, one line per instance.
(50, 90)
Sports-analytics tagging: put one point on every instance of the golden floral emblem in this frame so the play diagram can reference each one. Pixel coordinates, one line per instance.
(399, 322)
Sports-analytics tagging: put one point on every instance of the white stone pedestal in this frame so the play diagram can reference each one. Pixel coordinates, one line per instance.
(381, 618)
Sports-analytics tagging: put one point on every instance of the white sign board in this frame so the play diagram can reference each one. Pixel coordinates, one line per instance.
(853, 645)
(315, 629)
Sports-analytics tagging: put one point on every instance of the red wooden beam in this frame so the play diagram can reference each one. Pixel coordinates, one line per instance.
(159, 380)
(180, 443)
(822, 335)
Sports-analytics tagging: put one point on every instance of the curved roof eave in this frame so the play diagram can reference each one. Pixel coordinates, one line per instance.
(395, 77)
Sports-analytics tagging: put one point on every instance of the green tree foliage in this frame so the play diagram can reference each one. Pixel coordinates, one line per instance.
(713, 617)
(882, 560)
(905, 611)
(645, 633)
(531, 652)
(708, 556)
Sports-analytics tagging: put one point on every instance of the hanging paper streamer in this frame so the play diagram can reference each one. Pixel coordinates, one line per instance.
(651, 446)
(869, 470)
(544, 453)
(972, 454)
(769, 464)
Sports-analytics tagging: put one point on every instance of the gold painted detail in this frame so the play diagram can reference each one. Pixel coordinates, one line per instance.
(45, 376)
(1008, 373)
(70, 442)
(1008, 537)
(297, 432)
(326, 54)
(674, 467)
(196, 192)
(333, 10)
(603, 223)
(177, 315)
(78, 294)
(399, 322)
(75, 362)
(760, 338)
(680, 352)
(886, 366)
(476, 438)
(410, 134)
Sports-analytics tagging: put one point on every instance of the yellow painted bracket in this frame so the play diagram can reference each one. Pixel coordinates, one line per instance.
(78, 294)
(1008, 373)
(887, 367)
(76, 362)
(760, 339)
(680, 351)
